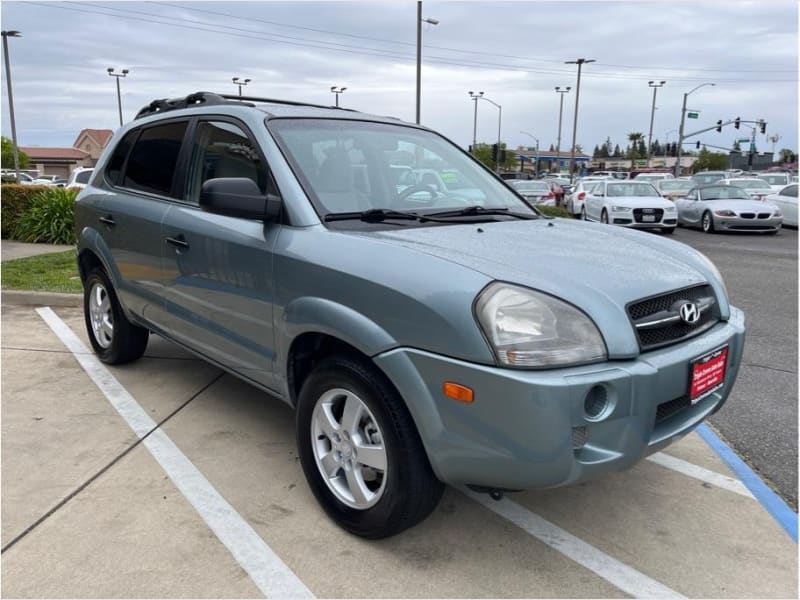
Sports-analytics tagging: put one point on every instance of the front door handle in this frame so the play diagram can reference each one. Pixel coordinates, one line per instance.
(178, 242)
(108, 220)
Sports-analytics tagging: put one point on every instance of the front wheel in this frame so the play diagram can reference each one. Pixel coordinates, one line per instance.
(708, 222)
(668, 230)
(114, 338)
(604, 217)
(361, 452)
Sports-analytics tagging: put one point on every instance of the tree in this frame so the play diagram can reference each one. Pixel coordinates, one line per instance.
(617, 151)
(596, 153)
(634, 137)
(787, 156)
(656, 149)
(712, 161)
(7, 158)
(483, 152)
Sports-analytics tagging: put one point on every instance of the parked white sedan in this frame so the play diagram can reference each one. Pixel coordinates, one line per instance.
(630, 204)
(577, 196)
(786, 200)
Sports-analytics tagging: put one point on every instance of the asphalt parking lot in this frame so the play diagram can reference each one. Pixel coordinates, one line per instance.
(167, 478)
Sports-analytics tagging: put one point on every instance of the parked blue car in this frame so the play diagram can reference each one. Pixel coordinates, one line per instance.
(424, 335)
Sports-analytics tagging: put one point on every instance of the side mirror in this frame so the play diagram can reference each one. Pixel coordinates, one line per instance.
(238, 197)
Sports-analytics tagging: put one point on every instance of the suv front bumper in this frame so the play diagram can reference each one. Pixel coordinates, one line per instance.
(520, 430)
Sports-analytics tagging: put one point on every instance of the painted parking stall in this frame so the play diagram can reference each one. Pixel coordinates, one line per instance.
(234, 448)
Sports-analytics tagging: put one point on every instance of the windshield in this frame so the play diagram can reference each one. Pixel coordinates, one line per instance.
(630, 189)
(751, 184)
(724, 193)
(703, 178)
(347, 166)
(775, 179)
(676, 184)
(531, 186)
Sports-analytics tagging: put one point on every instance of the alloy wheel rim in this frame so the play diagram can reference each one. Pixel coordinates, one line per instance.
(100, 315)
(706, 222)
(348, 448)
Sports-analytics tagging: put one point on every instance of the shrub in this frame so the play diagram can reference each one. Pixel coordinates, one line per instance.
(554, 211)
(50, 218)
(14, 201)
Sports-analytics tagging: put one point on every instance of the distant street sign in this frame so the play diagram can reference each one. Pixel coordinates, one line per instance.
(692, 115)
(743, 140)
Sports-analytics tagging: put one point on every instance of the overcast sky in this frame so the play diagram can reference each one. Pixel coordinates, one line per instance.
(512, 51)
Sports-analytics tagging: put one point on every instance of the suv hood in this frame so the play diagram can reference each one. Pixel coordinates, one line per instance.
(598, 268)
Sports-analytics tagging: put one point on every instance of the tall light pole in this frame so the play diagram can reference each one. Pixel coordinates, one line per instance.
(475, 98)
(499, 122)
(561, 93)
(655, 87)
(240, 83)
(536, 165)
(683, 119)
(118, 76)
(337, 90)
(420, 21)
(580, 62)
(6, 35)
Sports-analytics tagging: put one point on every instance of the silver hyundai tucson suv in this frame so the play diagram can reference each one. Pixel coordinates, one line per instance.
(424, 334)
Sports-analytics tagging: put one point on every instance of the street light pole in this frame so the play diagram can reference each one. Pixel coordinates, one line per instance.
(560, 114)
(536, 164)
(683, 120)
(499, 122)
(475, 98)
(420, 20)
(240, 83)
(580, 62)
(337, 90)
(118, 76)
(655, 87)
(6, 35)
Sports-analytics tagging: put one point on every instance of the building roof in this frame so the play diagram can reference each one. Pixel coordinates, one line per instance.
(101, 136)
(45, 153)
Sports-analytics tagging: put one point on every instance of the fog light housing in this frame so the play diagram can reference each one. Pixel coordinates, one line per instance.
(596, 403)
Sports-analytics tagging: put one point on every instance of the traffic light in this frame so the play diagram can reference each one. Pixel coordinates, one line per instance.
(763, 127)
(737, 122)
(470, 148)
(697, 145)
(719, 125)
(495, 152)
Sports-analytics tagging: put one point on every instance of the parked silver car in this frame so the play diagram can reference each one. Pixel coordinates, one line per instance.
(719, 207)
(422, 336)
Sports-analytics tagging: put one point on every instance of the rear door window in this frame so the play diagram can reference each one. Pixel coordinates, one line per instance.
(152, 162)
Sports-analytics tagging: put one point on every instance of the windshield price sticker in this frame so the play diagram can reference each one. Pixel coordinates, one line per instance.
(708, 374)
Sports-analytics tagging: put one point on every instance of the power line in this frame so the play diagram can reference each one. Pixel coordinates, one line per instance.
(229, 31)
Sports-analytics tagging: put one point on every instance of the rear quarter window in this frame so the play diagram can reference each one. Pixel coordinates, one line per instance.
(117, 160)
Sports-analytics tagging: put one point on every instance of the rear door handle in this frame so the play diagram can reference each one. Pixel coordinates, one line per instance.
(178, 242)
(108, 220)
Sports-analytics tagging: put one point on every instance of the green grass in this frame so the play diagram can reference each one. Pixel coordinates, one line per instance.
(46, 273)
(554, 211)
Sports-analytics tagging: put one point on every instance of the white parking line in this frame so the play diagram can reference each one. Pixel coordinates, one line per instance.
(691, 470)
(626, 578)
(269, 573)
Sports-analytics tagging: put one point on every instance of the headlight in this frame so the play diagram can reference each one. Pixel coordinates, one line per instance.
(621, 209)
(724, 213)
(670, 209)
(531, 329)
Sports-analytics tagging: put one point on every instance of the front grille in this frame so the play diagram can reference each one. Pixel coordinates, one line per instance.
(764, 215)
(639, 213)
(674, 331)
(673, 407)
(752, 227)
(748, 215)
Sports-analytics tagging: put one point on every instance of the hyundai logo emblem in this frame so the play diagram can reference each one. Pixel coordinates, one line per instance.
(689, 312)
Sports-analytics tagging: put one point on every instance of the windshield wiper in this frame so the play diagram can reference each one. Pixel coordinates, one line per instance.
(373, 215)
(479, 211)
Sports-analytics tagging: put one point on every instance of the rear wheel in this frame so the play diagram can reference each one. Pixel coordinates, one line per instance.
(361, 452)
(583, 213)
(708, 222)
(114, 338)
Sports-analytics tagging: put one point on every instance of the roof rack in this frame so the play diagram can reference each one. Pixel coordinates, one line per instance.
(287, 102)
(210, 98)
(195, 99)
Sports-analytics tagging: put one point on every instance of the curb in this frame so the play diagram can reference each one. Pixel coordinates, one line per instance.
(29, 298)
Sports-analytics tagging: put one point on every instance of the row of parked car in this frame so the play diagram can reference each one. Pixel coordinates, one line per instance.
(711, 200)
(77, 180)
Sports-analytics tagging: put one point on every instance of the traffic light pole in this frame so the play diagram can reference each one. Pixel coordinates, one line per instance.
(752, 150)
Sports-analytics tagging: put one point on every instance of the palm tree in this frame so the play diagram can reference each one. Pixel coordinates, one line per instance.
(635, 137)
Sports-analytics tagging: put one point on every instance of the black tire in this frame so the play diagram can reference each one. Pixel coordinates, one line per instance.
(127, 341)
(583, 213)
(707, 222)
(410, 491)
(604, 217)
(668, 230)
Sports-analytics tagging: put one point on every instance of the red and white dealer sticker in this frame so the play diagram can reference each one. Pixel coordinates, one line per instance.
(708, 373)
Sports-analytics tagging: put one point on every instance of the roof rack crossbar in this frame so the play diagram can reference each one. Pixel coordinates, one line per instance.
(195, 99)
